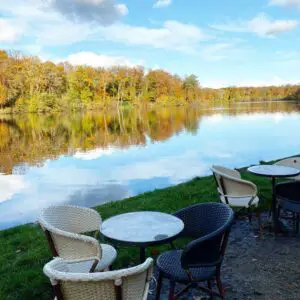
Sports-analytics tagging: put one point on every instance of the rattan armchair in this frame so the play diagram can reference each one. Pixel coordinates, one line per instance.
(65, 225)
(235, 191)
(293, 162)
(125, 284)
(200, 261)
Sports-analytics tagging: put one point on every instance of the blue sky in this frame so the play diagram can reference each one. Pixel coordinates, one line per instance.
(245, 42)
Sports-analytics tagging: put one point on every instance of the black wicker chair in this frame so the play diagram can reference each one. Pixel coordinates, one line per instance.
(209, 224)
(288, 199)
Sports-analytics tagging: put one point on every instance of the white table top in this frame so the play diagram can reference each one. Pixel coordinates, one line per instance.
(274, 171)
(142, 227)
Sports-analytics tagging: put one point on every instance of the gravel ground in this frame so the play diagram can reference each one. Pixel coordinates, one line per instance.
(256, 266)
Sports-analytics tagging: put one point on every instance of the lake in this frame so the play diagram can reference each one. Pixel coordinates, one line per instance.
(95, 157)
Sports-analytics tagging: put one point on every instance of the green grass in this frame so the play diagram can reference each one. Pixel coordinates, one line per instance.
(24, 249)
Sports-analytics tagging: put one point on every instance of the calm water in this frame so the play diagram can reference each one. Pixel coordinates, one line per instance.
(92, 158)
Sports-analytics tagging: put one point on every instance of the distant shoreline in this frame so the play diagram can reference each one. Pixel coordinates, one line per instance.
(212, 105)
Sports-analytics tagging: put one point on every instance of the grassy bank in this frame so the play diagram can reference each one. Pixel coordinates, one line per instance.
(24, 249)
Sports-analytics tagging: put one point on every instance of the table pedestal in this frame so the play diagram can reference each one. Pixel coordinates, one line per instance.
(277, 225)
(274, 207)
(142, 254)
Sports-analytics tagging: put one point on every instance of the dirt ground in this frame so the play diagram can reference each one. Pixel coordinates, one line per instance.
(256, 266)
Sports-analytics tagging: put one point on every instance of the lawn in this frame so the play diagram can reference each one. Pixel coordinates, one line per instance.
(24, 249)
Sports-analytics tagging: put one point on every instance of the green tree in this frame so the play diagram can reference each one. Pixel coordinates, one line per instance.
(190, 86)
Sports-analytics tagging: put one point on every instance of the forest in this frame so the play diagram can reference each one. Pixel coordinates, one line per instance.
(28, 84)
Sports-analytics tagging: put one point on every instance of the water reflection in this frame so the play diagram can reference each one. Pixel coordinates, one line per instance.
(92, 158)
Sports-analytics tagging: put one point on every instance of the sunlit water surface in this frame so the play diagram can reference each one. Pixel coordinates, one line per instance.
(92, 158)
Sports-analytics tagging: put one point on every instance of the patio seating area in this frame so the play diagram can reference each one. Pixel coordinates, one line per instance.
(202, 251)
(81, 266)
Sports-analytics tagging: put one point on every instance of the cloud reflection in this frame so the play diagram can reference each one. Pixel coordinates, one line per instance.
(10, 185)
(93, 154)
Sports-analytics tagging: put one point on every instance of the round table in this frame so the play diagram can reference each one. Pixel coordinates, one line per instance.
(142, 229)
(274, 171)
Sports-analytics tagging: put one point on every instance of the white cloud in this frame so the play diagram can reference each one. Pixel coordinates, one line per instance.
(225, 49)
(10, 30)
(264, 26)
(98, 60)
(104, 12)
(261, 25)
(122, 8)
(49, 26)
(45, 26)
(173, 35)
(162, 3)
(291, 3)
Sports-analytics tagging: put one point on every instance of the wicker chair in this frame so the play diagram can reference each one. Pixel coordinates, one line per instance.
(201, 259)
(288, 199)
(235, 191)
(126, 284)
(64, 227)
(293, 162)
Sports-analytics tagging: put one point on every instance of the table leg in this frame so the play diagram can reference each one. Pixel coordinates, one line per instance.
(274, 206)
(278, 226)
(142, 254)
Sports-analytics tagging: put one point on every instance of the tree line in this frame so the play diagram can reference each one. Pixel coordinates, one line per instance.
(28, 84)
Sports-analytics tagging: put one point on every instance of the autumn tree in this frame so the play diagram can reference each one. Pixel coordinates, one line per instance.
(190, 86)
(82, 85)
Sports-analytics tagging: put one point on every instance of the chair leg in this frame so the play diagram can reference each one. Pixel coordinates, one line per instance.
(209, 285)
(220, 286)
(159, 284)
(249, 215)
(270, 211)
(294, 223)
(258, 215)
(278, 211)
(172, 290)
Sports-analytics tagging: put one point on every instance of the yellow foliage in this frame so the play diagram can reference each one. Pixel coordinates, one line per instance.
(3, 93)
